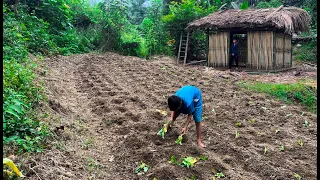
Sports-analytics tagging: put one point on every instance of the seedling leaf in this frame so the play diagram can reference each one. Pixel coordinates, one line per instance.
(306, 124)
(297, 176)
(219, 175)
(264, 108)
(204, 158)
(283, 106)
(173, 160)
(265, 150)
(238, 124)
(162, 112)
(300, 142)
(212, 110)
(9, 162)
(143, 166)
(277, 130)
(281, 148)
(188, 162)
(179, 140)
(288, 115)
(237, 134)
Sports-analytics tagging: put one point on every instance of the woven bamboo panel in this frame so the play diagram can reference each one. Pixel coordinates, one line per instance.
(249, 46)
(287, 51)
(279, 50)
(218, 49)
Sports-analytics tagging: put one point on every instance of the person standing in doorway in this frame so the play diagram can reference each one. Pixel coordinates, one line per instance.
(234, 53)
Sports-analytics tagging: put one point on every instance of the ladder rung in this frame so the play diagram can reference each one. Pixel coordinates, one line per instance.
(182, 51)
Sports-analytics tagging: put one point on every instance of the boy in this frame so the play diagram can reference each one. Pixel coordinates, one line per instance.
(187, 100)
(234, 53)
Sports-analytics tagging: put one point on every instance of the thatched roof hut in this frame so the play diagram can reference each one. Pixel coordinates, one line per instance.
(289, 19)
(264, 36)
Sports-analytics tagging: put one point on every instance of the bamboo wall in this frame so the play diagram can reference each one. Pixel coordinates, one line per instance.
(283, 51)
(218, 52)
(260, 50)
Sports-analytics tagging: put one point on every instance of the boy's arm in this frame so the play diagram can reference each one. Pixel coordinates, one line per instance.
(187, 123)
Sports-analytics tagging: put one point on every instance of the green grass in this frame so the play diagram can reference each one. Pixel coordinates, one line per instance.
(307, 52)
(297, 92)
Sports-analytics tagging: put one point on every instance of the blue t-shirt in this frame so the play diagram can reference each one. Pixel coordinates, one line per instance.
(191, 97)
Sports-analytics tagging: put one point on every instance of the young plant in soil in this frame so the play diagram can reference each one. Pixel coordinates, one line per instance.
(297, 176)
(188, 162)
(162, 131)
(238, 124)
(300, 142)
(143, 167)
(237, 134)
(277, 130)
(265, 150)
(281, 148)
(179, 140)
(219, 175)
(173, 160)
(306, 124)
(252, 121)
(203, 158)
(192, 178)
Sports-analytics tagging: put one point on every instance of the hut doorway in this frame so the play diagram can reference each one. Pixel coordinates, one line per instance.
(242, 42)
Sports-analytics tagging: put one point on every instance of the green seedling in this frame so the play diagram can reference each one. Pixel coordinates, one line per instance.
(163, 68)
(205, 117)
(220, 175)
(203, 158)
(300, 142)
(265, 150)
(251, 102)
(252, 121)
(92, 164)
(238, 124)
(297, 176)
(277, 130)
(288, 115)
(264, 108)
(283, 106)
(237, 134)
(163, 131)
(212, 110)
(306, 124)
(154, 178)
(192, 178)
(188, 162)
(302, 114)
(281, 148)
(179, 140)
(173, 160)
(143, 167)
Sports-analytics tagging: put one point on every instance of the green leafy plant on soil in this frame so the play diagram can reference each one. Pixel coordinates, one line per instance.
(300, 142)
(238, 124)
(252, 121)
(219, 175)
(143, 167)
(297, 92)
(92, 164)
(188, 162)
(281, 148)
(203, 158)
(265, 150)
(193, 177)
(237, 134)
(173, 160)
(277, 131)
(179, 140)
(306, 123)
(297, 176)
(162, 131)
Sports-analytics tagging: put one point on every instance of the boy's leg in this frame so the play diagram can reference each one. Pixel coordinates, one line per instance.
(237, 60)
(197, 116)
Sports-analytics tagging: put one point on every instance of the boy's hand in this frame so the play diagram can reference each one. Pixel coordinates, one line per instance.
(184, 130)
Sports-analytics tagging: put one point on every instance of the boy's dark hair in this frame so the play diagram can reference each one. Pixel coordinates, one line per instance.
(174, 102)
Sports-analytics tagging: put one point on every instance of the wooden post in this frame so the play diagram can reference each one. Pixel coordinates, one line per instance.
(178, 58)
(207, 58)
(291, 51)
(186, 51)
(284, 46)
(274, 50)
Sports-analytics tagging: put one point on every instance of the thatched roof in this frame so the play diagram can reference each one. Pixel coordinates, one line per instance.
(289, 19)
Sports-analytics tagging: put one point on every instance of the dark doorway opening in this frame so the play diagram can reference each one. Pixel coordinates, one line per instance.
(241, 38)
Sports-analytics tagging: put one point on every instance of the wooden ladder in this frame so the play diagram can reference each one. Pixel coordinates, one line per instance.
(183, 48)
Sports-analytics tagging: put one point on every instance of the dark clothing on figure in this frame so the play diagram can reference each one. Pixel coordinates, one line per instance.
(234, 50)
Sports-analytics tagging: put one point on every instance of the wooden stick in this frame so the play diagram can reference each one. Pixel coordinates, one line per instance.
(178, 58)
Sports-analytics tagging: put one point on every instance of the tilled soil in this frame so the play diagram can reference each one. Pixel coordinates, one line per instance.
(107, 104)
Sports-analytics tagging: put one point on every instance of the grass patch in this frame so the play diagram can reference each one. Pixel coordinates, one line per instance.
(297, 92)
(307, 52)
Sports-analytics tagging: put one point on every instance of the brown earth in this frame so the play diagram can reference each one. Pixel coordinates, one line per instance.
(107, 105)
